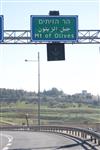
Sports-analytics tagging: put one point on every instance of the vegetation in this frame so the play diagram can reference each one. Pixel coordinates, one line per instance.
(56, 108)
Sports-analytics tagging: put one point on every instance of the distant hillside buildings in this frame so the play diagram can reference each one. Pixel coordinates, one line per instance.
(54, 95)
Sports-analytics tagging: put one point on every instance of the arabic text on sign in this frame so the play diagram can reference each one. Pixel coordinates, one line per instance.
(53, 29)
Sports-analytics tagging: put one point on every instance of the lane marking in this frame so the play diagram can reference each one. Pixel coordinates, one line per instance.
(10, 140)
(9, 144)
(5, 148)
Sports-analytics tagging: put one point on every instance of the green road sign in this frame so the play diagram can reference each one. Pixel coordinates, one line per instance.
(54, 28)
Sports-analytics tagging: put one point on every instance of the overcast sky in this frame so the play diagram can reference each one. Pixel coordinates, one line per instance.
(81, 69)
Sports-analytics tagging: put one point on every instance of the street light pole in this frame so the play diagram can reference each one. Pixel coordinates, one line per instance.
(38, 85)
(38, 89)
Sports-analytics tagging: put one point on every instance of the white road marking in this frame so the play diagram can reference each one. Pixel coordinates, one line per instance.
(5, 148)
(10, 139)
(9, 144)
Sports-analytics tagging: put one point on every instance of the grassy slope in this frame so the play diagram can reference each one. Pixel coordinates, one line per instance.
(17, 114)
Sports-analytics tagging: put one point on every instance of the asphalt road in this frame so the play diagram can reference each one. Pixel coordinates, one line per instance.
(24, 140)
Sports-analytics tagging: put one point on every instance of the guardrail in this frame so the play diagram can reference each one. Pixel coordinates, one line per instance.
(76, 132)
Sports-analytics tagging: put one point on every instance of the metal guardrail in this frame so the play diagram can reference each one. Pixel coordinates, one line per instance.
(85, 134)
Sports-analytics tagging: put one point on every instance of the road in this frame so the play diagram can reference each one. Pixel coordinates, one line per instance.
(24, 140)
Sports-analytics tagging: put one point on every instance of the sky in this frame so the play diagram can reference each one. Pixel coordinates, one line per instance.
(81, 68)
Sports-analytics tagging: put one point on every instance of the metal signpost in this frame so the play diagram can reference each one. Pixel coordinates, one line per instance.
(54, 28)
(1, 28)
